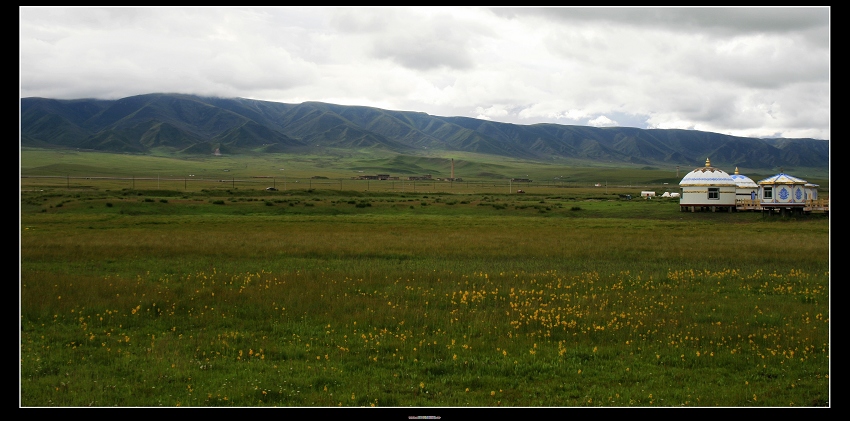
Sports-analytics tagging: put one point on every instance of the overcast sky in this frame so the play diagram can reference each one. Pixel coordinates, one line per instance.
(755, 72)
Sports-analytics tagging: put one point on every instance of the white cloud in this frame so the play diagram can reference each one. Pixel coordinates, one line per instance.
(730, 70)
(602, 121)
(496, 112)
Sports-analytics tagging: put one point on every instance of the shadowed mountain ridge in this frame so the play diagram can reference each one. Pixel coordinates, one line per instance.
(189, 124)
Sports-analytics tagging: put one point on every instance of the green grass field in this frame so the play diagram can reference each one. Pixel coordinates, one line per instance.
(561, 297)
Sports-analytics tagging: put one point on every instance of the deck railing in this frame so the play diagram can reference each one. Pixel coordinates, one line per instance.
(817, 205)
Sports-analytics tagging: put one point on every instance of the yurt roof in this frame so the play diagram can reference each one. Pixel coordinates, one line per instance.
(743, 180)
(707, 176)
(782, 178)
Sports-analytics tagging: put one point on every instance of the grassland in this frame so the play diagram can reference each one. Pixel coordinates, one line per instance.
(345, 164)
(569, 296)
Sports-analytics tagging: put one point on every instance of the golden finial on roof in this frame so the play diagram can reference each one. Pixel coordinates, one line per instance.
(736, 170)
(707, 162)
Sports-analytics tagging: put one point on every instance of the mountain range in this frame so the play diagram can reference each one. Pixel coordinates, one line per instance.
(189, 124)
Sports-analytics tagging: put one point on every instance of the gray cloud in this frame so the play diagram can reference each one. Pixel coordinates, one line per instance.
(724, 21)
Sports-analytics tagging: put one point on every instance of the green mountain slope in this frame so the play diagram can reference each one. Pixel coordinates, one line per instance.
(188, 124)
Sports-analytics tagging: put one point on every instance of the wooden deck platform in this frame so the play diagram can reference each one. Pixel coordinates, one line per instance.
(811, 206)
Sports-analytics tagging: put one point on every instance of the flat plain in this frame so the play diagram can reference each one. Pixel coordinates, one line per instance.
(147, 290)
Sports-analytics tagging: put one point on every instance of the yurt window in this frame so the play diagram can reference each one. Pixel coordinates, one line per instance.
(714, 193)
(768, 192)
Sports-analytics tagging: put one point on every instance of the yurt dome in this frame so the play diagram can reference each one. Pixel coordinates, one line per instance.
(742, 181)
(782, 178)
(707, 176)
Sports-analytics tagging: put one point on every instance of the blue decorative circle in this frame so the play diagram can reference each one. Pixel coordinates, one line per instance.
(783, 194)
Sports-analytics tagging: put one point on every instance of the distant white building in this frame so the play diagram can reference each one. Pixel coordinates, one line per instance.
(707, 188)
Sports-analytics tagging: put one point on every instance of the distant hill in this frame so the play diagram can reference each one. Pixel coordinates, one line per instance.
(187, 124)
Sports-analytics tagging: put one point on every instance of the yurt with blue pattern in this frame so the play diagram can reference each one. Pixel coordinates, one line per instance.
(745, 188)
(783, 191)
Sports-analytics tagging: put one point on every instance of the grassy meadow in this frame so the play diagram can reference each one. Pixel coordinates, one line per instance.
(227, 294)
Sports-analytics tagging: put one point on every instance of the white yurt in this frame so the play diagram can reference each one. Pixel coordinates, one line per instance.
(707, 188)
(811, 191)
(746, 190)
(783, 191)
